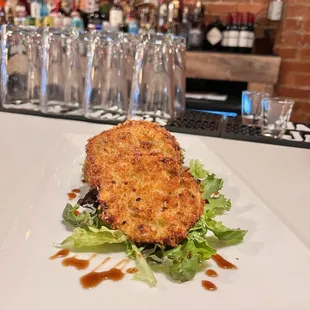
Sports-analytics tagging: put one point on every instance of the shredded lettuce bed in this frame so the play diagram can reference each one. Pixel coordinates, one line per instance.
(181, 262)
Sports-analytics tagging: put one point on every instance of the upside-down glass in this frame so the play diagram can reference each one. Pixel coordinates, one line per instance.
(251, 107)
(276, 112)
(179, 49)
(106, 95)
(20, 67)
(152, 92)
(62, 89)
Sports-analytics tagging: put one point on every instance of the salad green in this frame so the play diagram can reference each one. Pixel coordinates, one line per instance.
(181, 262)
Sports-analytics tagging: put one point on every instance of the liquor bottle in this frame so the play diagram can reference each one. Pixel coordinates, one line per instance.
(2, 17)
(132, 20)
(44, 10)
(66, 8)
(10, 16)
(251, 34)
(177, 11)
(233, 36)
(35, 8)
(243, 33)
(162, 24)
(226, 31)
(22, 9)
(116, 14)
(214, 35)
(77, 21)
(171, 25)
(104, 10)
(94, 21)
(185, 25)
(196, 33)
(57, 16)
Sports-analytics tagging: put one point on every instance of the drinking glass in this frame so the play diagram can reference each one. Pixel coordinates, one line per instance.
(130, 42)
(251, 107)
(20, 67)
(62, 89)
(106, 95)
(276, 113)
(178, 44)
(152, 92)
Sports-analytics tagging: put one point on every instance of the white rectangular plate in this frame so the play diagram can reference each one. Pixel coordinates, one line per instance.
(273, 265)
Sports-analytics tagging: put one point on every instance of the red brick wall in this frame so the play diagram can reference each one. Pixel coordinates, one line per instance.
(292, 44)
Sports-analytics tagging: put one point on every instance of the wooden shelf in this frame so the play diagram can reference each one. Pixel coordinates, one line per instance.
(261, 72)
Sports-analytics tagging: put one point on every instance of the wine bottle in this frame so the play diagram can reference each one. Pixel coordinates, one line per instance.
(233, 35)
(214, 35)
(243, 33)
(251, 34)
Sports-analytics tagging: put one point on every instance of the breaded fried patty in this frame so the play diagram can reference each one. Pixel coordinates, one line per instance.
(152, 199)
(130, 138)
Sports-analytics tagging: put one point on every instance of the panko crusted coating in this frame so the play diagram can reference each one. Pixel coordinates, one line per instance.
(144, 191)
(130, 138)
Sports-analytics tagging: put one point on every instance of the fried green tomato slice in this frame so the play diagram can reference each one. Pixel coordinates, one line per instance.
(152, 199)
(130, 138)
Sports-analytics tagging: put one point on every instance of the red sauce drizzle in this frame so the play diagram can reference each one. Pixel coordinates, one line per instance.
(211, 273)
(132, 270)
(92, 279)
(79, 264)
(71, 195)
(61, 253)
(208, 285)
(76, 190)
(222, 262)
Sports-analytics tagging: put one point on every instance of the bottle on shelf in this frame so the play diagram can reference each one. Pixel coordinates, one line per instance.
(177, 11)
(104, 10)
(132, 19)
(2, 17)
(162, 24)
(116, 14)
(185, 25)
(171, 24)
(10, 17)
(56, 16)
(214, 35)
(233, 35)
(243, 33)
(76, 19)
(251, 33)
(35, 8)
(196, 33)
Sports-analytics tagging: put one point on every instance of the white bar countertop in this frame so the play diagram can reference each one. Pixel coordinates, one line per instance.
(279, 175)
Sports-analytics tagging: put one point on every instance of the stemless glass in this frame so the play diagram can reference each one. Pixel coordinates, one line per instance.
(106, 93)
(178, 45)
(251, 107)
(152, 92)
(62, 89)
(20, 67)
(276, 114)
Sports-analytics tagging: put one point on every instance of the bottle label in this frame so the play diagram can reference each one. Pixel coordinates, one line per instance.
(275, 10)
(232, 40)
(20, 11)
(35, 9)
(214, 36)
(116, 17)
(250, 41)
(243, 38)
(195, 37)
(225, 38)
(133, 27)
